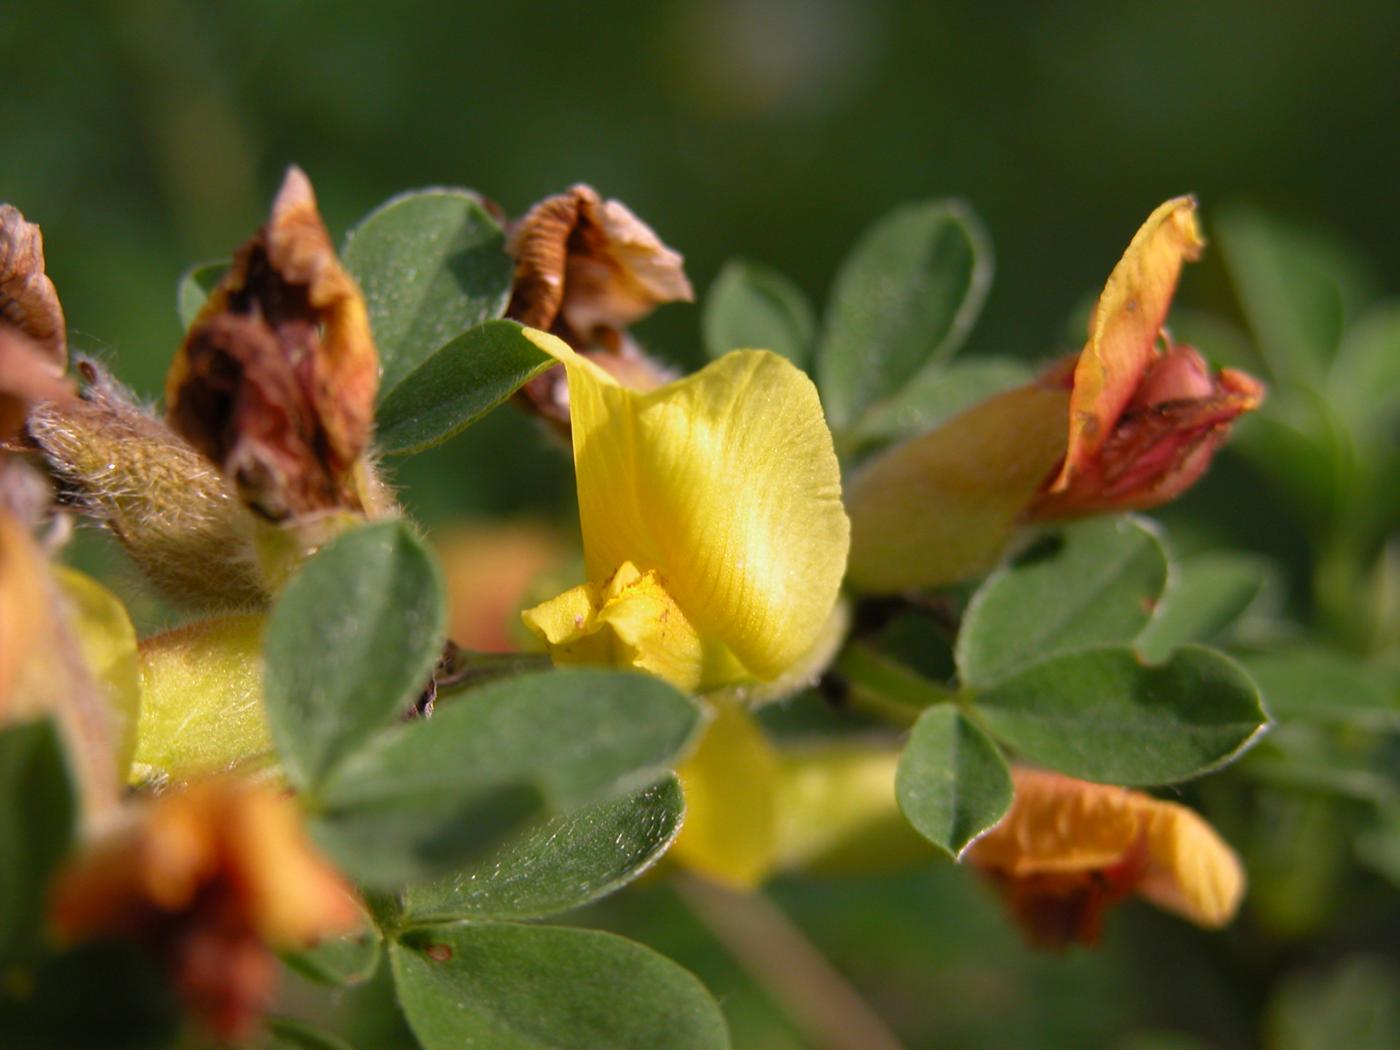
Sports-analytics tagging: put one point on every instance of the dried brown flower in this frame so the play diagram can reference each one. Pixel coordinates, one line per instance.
(585, 270)
(276, 380)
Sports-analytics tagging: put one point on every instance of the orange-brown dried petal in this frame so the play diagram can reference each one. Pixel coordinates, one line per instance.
(209, 878)
(28, 300)
(277, 377)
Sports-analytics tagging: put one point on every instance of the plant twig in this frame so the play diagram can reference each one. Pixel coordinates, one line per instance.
(787, 966)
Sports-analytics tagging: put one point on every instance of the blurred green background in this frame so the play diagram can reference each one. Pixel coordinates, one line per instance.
(147, 134)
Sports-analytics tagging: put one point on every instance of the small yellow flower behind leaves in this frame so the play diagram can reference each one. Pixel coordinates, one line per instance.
(713, 532)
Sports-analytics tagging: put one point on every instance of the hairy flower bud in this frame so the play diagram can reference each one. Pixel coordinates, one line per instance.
(179, 520)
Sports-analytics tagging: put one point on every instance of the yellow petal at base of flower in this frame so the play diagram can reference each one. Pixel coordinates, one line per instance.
(631, 621)
(731, 782)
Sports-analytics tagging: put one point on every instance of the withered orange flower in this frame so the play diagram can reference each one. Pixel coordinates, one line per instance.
(1068, 849)
(276, 379)
(1145, 418)
(586, 269)
(210, 878)
(1129, 423)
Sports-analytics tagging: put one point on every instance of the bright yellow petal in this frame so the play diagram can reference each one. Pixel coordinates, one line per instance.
(631, 622)
(726, 485)
(1191, 871)
(730, 832)
(942, 506)
(1124, 327)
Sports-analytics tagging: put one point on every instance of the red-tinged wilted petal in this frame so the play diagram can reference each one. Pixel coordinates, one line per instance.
(1124, 328)
(275, 382)
(1161, 444)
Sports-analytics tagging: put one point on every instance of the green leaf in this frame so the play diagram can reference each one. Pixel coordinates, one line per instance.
(1356, 1006)
(38, 813)
(350, 645)
(289, 1033)
(416, 836)
(1324, 688)
(109, 994)
(582, 735)
(1205, 595)
(514, 987)
(431, 264)
(457, 385)
(952, 784)
(904, 299)
(753, 307)
(1100, 714)
(340, 961)
(1296, 288)
(1364, 384)
(424, 797)
(562, 863)
(933, 397)
(194, 287)
(1094, 583)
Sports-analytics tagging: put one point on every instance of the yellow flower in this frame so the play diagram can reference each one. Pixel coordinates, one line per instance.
(713, 532)
(1068, 849)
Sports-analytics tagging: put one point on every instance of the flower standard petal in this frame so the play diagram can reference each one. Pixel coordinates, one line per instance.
(726, 486)
(1124, 328)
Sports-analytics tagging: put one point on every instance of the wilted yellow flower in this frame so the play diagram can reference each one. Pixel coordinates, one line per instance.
(713, 532)
(1126, 425)
(1069, 848)
(209, 878)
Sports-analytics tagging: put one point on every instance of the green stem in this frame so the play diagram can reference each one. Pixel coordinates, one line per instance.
(887, 688)
(468, 669)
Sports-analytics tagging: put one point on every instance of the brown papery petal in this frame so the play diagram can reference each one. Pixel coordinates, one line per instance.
(28, 300)
(584, 264)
